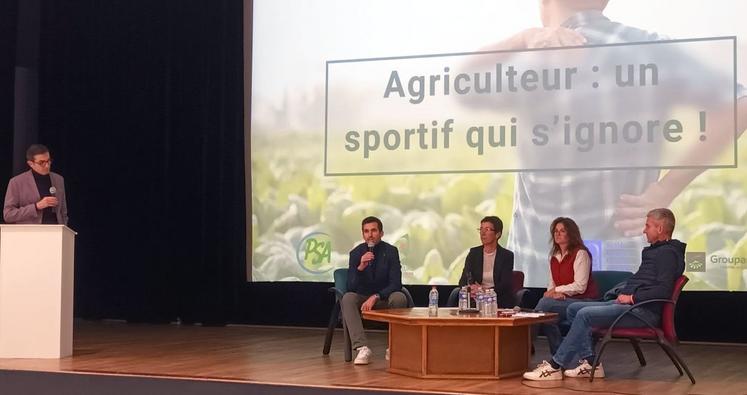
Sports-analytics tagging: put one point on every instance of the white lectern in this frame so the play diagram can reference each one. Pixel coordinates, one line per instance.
(36, 291)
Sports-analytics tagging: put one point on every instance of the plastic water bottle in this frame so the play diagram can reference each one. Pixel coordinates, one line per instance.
(433, 301)
(463, 299)
(492, 304)
(480, 299)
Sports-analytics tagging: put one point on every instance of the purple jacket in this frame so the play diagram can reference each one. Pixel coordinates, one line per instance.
(22, 195)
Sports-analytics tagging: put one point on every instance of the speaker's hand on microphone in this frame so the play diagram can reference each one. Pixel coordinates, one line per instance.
(366, 259)
(49, 201)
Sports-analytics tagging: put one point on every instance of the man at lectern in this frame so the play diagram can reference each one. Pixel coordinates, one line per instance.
(374, 282)
(36, 196)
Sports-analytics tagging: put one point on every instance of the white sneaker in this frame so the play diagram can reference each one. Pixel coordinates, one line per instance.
(364, 354)
(544, 371)
(386, 356)
(583, 370)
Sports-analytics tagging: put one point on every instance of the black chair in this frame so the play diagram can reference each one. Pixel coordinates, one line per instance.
(518, 289)
(341, 286)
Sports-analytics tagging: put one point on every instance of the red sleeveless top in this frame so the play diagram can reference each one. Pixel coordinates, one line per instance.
(562, 274)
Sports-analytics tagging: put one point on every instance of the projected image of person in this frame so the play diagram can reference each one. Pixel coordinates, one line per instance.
(36, 196)
(607, 204)
(662, 263)
(489, 265)
(569, 279)
(374, 282)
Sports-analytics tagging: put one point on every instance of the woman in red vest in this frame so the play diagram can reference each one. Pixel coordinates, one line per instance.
(570, 276)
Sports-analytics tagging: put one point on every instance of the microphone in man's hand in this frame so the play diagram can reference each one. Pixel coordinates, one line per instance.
(370, 245)
(52, 192)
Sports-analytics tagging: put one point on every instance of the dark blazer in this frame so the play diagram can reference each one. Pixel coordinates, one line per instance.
(502, 273)
(382, 276)
(22, 195)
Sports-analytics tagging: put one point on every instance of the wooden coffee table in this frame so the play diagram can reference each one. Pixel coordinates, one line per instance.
(451, 345)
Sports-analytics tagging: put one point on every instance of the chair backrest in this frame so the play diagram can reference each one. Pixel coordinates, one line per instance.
(341, 280)
(517, 281)
(606, 279)
(667, 312)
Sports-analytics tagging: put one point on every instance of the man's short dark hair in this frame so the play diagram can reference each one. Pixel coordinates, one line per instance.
(495, 221)
(369, 220)
(35, 149)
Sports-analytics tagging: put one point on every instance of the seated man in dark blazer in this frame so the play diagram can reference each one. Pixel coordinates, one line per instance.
(374, 282)
(36, 196)
(490, 265)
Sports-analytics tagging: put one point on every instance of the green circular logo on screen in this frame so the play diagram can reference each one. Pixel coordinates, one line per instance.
(314, 253)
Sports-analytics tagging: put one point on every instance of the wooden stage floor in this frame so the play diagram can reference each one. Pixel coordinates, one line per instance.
(293, 356)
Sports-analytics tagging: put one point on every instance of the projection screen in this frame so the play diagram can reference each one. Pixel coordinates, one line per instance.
(433, 114)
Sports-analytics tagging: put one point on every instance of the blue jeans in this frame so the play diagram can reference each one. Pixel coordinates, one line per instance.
(551, 330)
(578, 343)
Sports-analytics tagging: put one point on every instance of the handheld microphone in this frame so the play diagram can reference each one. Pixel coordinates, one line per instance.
(52, 192)
(370, 249)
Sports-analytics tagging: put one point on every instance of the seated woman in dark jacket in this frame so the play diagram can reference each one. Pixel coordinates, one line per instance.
(490, 265)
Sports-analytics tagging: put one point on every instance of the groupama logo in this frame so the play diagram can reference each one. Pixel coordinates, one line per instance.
(695, 261)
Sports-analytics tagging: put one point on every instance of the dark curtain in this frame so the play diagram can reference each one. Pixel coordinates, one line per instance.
(141, 106)
(8, 18)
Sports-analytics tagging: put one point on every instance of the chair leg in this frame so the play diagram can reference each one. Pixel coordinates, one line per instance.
(668, 351)
(684, 365)
(348, 346)
(597, 359)
(334, 318)
(637, 348)
(678, 362)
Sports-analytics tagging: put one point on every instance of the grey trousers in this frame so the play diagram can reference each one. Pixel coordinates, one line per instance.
(351, 313)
